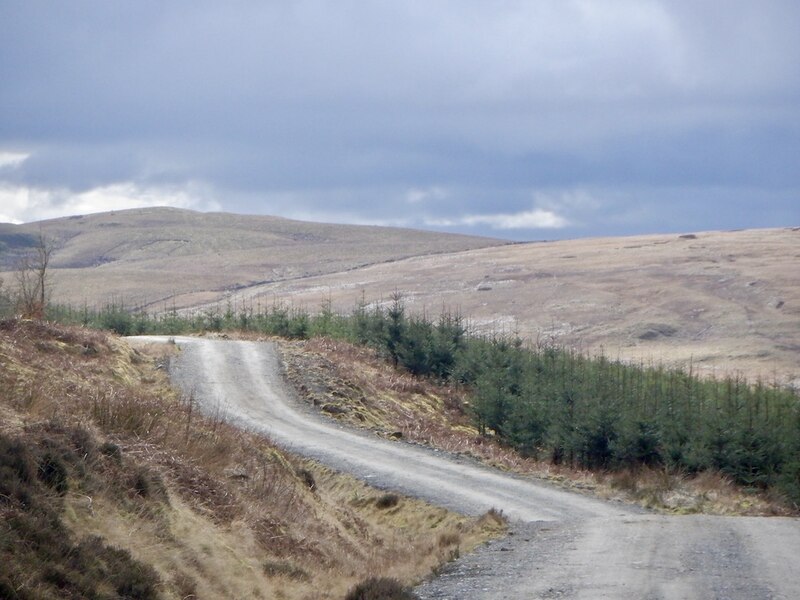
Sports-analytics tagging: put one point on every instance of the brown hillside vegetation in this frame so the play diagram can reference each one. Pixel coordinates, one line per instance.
(112, 486)
(724, 301)
(179, 257)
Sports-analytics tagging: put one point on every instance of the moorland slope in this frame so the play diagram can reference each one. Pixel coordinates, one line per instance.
(157, 256)
(722, 302)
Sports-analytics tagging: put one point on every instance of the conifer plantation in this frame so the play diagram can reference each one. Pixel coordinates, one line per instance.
(544, 401)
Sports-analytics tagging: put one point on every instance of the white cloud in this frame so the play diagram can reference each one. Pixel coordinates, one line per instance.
(24, 204)
(418, 195)
(571, 200)
(7, 219)
(12, 160)
(536, 218)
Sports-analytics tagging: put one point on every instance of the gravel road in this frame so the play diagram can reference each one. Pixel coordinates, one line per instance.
(561, 545)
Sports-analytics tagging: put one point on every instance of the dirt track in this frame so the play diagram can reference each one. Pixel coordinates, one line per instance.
(563, 545)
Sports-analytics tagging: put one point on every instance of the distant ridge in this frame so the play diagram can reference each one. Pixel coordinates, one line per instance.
(153, 254)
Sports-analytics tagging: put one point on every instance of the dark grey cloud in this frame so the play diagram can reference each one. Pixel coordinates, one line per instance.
(351, 110)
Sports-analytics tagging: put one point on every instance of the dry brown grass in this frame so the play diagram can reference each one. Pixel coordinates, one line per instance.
(356, 386)
(726, 302)
(707, 492)
(216, 511)
(169, 256)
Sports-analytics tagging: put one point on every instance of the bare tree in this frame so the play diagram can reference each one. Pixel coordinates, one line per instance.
(33, 289)
(5, 301)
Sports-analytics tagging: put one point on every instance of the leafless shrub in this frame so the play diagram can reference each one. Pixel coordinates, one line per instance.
(147, 483)
(380, 588)
(496, 516)
(307, 477)
(450, 538)
(32, 279)
(389, 500)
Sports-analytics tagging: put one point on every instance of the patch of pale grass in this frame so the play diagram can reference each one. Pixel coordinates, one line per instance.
(193, 552)
(422, 538)
(708, 492)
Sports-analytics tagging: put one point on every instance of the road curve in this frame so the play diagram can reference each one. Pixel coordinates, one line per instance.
(564, 545)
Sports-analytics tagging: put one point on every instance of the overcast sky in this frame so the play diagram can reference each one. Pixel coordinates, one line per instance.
(537, 119)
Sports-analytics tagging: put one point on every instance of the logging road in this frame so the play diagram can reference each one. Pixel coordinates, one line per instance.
(562, 544)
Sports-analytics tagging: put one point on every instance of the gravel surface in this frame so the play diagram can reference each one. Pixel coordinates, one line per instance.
(561, 544)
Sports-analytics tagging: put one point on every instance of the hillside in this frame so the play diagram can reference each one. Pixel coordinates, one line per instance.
(180, 257)
(114, 486)
(725, 302)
